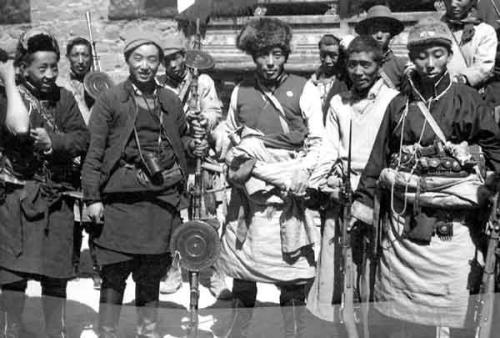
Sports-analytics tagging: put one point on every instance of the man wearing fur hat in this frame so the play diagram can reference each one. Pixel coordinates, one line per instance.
(381, 24)
(429, 245)
(36, 216)
(279, 120)
(134, 179)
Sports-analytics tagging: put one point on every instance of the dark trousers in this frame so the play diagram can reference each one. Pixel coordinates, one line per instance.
(147, 271)
(53, 300)
(246, 292)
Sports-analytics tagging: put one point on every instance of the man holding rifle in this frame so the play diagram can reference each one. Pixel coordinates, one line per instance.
(364, 105)
(427, 159)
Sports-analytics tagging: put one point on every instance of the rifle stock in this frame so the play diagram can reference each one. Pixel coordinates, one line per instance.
(486, 299)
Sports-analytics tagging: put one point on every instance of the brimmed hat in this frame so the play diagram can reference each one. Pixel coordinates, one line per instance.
(429, 30)
(172, 44)
(35, 40)
(137, 38)
(264, 33)
(379, 13)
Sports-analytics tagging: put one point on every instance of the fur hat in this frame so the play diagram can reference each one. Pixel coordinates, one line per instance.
(429, 30)
(35, 40)
(264, 33)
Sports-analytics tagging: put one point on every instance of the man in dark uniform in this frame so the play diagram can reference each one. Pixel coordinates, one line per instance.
(381, 24)
(429, 246)
(36, 217)
(134, 176)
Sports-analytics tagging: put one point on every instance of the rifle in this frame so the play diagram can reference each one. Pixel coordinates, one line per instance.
(96, 81)
(196, 241)
(485, 303)
(346, 311)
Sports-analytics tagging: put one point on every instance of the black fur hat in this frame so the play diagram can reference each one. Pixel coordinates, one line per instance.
(35, 40)
(264, 33)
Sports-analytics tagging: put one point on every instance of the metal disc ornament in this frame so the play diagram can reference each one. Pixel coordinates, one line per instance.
(197, 243)
(96, 83)
(199, 59)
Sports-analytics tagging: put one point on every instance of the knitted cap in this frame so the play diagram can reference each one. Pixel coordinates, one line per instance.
(172, 44)
(429, 30)
(264, 33)
(137, 38)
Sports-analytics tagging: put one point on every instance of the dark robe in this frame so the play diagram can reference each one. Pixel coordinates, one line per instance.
(36, 218)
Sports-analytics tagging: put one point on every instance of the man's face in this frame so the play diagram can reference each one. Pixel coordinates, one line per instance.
(270, 64)
(42, 71)
(80, 60)
(329, 56)
(175, 64)
(381, 32)
(430, 61)
(143, 63)
(362, 70)
(458, 9)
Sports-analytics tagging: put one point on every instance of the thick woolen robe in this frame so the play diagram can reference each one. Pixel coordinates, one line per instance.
(427, 283)
(36, 231)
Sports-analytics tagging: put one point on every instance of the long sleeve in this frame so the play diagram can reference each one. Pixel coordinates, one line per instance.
(99, 123)
(310, 105)
(211, 106)
(220, 134)
(329, 148)
(483, 58)
(74, 139)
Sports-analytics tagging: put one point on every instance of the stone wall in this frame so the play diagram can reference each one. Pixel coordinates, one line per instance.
(66, 19)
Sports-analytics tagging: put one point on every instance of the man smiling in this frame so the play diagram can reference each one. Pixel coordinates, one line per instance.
(133, 177)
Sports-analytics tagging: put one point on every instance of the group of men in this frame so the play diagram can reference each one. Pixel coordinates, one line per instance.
(418, 135)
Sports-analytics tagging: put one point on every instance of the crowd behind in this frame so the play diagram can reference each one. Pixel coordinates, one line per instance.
(417, 137)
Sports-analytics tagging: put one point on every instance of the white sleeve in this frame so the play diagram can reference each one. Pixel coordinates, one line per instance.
(310, 105)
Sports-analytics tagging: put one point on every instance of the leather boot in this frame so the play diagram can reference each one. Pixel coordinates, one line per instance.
(13, 305)
(292, 302)
(241, 317)
(109, 312)
(293, 318)
(53, 313)
(147, 322)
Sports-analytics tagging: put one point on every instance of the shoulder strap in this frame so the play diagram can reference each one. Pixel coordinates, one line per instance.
(277, 105)
(432, 122)
(386, 79)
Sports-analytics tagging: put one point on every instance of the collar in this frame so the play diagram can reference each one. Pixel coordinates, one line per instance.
(389, 54)
(374, 91)
(278, 82)
(441, 87)
(315, 77)
(73, 76)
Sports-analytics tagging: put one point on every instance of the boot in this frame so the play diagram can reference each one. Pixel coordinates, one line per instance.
(147, 318)
(13, 305)
(109, 312)
(53, 313)
(240, 320)
(293, 318)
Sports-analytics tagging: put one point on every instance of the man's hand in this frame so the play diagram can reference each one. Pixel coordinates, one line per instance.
(198, 125)
(7, 71)
(199, 147)
(300, 182)
(41, 138)
(96, 212)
